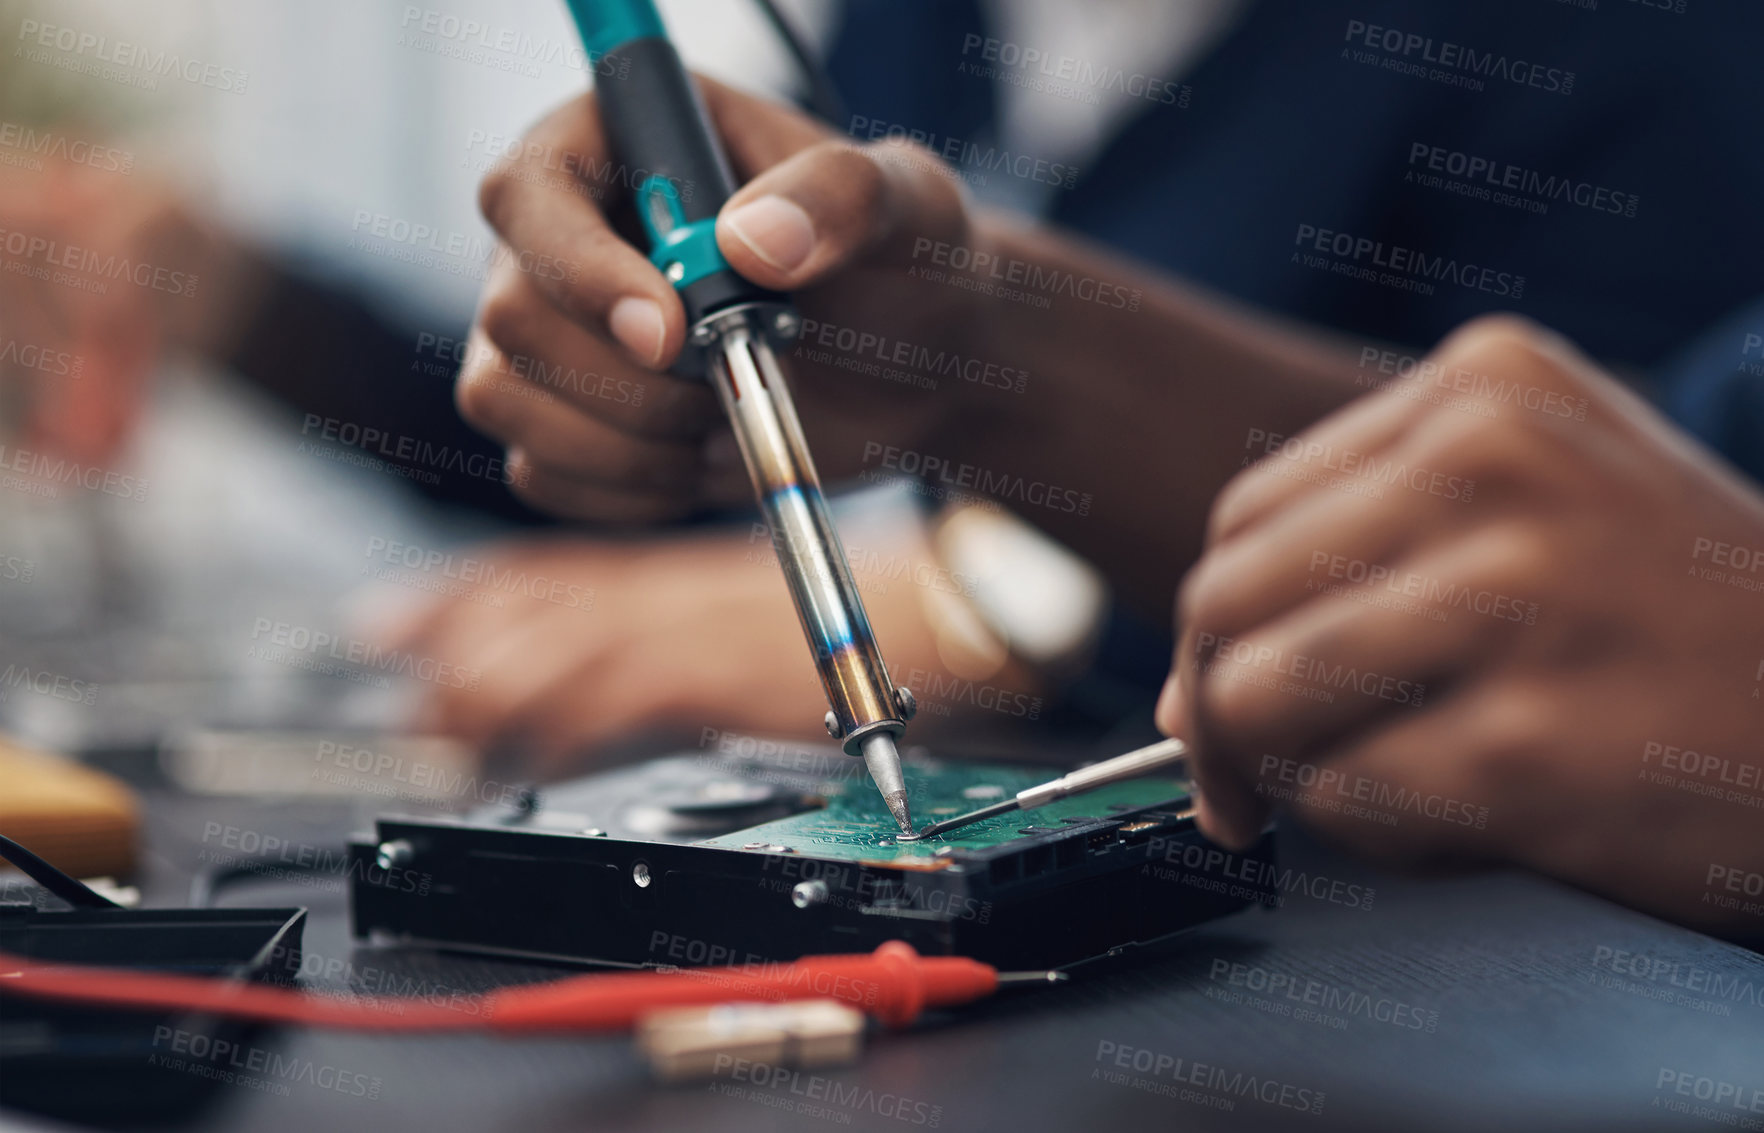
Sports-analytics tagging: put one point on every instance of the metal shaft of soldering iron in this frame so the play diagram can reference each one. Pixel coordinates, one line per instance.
(1129, 766)
(865, 710)
(681, 178)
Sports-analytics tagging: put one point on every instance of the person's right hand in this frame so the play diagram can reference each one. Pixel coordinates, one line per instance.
(576, 328)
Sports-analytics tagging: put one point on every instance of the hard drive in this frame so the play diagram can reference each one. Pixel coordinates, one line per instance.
(773, 853)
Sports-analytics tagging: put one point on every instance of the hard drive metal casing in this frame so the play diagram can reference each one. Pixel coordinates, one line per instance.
(695, 860)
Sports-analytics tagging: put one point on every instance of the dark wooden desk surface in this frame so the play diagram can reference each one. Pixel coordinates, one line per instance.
(1492, 1002)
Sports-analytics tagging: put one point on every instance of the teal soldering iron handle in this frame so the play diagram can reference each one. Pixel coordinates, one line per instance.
(668, 150)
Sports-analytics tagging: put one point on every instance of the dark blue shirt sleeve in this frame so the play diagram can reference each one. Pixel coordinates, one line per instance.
(1715, 390)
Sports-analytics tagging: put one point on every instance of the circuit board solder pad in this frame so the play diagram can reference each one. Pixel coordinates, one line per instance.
(855, 825)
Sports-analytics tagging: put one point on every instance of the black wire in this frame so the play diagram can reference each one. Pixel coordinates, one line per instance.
(824, 97)
(69, 889)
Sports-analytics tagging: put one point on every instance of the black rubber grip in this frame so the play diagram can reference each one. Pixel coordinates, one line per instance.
(658, 125)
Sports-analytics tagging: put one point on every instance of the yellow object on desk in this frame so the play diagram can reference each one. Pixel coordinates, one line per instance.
(81, 821)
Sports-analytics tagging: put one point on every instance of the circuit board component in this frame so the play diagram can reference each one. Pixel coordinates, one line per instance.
(854, 825)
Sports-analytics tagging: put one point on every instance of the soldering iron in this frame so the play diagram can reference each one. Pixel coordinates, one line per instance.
(657, 123)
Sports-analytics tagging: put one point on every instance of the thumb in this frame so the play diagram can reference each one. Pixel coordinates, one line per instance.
(832, 204)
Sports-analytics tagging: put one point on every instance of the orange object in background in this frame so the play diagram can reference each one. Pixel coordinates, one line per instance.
(81, 821)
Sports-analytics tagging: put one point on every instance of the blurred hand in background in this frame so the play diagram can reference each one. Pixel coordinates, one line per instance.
(599, 642)
(104, 272)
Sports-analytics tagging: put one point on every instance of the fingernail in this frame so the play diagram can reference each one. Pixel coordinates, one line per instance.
(638, 325)
(777, 230)
(1169, 711)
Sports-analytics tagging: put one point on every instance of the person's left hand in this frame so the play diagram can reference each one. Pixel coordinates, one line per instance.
(582, 643)
(1483, 615)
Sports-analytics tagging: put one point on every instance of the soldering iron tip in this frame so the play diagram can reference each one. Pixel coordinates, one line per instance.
(883, 761)
(897, 806)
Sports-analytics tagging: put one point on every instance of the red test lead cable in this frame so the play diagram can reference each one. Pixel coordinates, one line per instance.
(893, 984)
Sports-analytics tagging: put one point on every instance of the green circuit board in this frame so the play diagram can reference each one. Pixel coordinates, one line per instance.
(855, 825)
